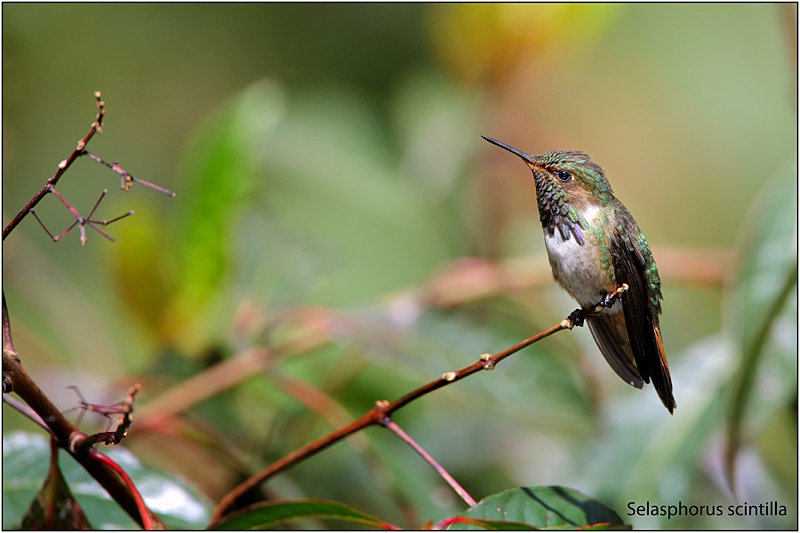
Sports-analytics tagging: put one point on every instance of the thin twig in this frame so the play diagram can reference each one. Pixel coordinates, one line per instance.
(8, 343)
(335, 414)
(8, 348)
(96, 127)
(126, 178)
(80, 220)
(26, 411)
(397, 430)
(124, 408)
(49, 187)
(383, 409)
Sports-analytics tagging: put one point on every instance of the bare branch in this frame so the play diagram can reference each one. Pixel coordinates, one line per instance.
(124, 408)
(96, 127)
(80, 220)
(25, 411)
(382, 410)
(388, 423)
(126, 178)
(49, 187)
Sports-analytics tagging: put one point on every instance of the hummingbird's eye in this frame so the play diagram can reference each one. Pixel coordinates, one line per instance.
(564, 175)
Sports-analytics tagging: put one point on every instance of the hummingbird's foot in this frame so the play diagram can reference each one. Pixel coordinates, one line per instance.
(609, 299)
(577, 317)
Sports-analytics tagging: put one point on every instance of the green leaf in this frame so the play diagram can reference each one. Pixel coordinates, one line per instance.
(265, 515)
(769, 255)
(25, 465)
(219, 175)
(169, 279)
(543, 507)
(762, 302)
(491, 525)
(54, 506)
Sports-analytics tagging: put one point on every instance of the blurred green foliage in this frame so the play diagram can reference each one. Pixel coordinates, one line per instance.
(328, 156)
(274, 514)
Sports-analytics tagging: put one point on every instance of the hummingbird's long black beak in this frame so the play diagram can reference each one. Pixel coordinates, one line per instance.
(520, 153)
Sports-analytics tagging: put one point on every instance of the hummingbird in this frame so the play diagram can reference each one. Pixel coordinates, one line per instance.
(594, 246)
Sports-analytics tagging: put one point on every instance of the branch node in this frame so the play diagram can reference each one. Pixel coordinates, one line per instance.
(449, 376)
(489, 361)
(74, 439)
(63, 164)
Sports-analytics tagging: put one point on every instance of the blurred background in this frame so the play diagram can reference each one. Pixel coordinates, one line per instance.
(342, 234)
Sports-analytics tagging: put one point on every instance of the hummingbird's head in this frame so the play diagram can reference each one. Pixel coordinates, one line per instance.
(566, 170)
(570, 189)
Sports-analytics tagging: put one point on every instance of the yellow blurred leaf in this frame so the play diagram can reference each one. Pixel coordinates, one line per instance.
(478, 41)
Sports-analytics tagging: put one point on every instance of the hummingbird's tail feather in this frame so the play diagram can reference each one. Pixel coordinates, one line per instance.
(614, 343)
(660, 373)
(611, 342)
(641, 316)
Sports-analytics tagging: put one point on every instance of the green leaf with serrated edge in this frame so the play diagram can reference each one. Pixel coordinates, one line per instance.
(543, 507)
(270, 514)
(25, 465)
(758, 300)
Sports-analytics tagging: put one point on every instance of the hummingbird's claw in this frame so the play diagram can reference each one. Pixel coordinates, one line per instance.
(609, 298)
(577, 317)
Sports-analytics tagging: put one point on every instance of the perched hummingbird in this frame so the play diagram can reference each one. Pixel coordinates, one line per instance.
(595, 246)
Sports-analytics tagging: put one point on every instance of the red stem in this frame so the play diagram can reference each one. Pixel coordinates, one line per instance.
(144, 512)
(431, 461)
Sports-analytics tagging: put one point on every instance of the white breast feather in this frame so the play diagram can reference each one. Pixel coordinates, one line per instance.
(575, 268)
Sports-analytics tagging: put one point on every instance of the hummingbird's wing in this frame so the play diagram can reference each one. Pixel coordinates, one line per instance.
(641, 321)
(613, 346)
